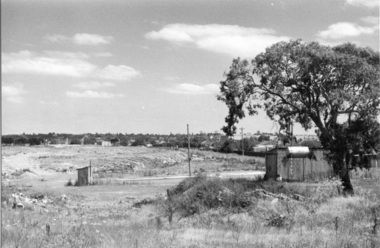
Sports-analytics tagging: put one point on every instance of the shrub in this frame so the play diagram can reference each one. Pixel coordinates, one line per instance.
(194, 195)
(70, 183)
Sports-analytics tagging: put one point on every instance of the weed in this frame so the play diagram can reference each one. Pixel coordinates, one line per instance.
(150, 173)
(69, 183)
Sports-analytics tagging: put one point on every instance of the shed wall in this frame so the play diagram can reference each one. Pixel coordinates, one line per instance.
(84, 176)
(304, 168)
(271, 166)
(277, 163)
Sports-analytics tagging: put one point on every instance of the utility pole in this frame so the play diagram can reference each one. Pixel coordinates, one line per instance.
(188, 144)
(291, 134)
(242, 140)
(291, 144)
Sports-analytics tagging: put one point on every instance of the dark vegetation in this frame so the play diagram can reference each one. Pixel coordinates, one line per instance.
(200, 194)
(118, 139)
(201, 140)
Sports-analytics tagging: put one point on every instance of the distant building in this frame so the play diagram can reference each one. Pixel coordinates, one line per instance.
(106, 143)
(263, 148)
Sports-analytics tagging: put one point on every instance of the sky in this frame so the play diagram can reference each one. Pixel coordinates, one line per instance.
(150, 66)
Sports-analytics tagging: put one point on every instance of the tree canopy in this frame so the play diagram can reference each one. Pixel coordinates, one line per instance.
(331, 89)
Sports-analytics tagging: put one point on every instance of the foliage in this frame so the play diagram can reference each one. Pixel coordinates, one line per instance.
(263, 138)
(138, 142)
(21, 140)
(7, 140)
(313, 85)
(89, 141)
(75, 142)
(311, 143)
(229, 146)
(248, 144)
(35, 141)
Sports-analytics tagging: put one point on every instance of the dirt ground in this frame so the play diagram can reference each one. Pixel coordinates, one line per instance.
(122, 173)
(127, 206)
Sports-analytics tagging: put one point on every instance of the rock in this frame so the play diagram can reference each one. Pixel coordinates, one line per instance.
(38, 196)
(18, 205)
(28, 206)
(274, 202)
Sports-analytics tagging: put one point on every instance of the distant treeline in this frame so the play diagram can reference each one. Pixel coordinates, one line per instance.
(214, 141)
(119, 139)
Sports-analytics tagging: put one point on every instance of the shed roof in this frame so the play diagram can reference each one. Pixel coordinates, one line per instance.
(283, 148)
(83, 168)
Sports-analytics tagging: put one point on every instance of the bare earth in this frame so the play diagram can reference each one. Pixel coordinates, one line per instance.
(127, 205)
(125, 173)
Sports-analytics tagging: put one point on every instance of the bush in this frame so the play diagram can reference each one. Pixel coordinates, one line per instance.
(194, 195)
(70, 183)
(36, 141)
(75, 142)
(229, 146)
(7, 140)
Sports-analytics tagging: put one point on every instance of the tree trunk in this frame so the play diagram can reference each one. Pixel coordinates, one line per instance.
(345, 176)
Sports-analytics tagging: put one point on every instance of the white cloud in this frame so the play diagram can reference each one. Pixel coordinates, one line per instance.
(27, 62)
(344, 29)
(48, 103)
(92, 94)
(66, 55)
(91, 39)
(57, 38)
(63, 63)
(120, 72)
(371, 20)
(227, 39)
(103, 55)
(193, 89)
(13, 93)
(172, 78)
(93, 85)
(364, 3)
(81, 39)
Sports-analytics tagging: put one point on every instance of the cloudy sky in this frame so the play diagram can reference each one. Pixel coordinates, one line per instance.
(150, 66)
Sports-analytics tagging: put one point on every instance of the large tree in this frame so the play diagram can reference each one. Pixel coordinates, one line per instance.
(327, 88)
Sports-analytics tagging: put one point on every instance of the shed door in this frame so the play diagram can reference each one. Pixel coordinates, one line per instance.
(271, 165)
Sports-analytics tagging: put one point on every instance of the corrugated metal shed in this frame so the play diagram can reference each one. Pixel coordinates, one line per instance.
(303, 166)
(84, 176)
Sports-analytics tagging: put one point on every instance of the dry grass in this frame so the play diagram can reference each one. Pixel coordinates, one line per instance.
(106, 214)
(372, 173)
(323, 219)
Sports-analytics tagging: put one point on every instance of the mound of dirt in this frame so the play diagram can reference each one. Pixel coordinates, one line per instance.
(27, 175)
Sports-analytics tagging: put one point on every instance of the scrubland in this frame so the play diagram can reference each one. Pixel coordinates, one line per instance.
(203, 211)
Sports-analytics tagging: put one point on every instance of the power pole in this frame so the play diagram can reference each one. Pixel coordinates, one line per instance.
(291, 144)
(188, 144)
(242, 140)
(291, 134)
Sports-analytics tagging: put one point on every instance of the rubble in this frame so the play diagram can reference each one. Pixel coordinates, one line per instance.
(261, 193)
(21, 201)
